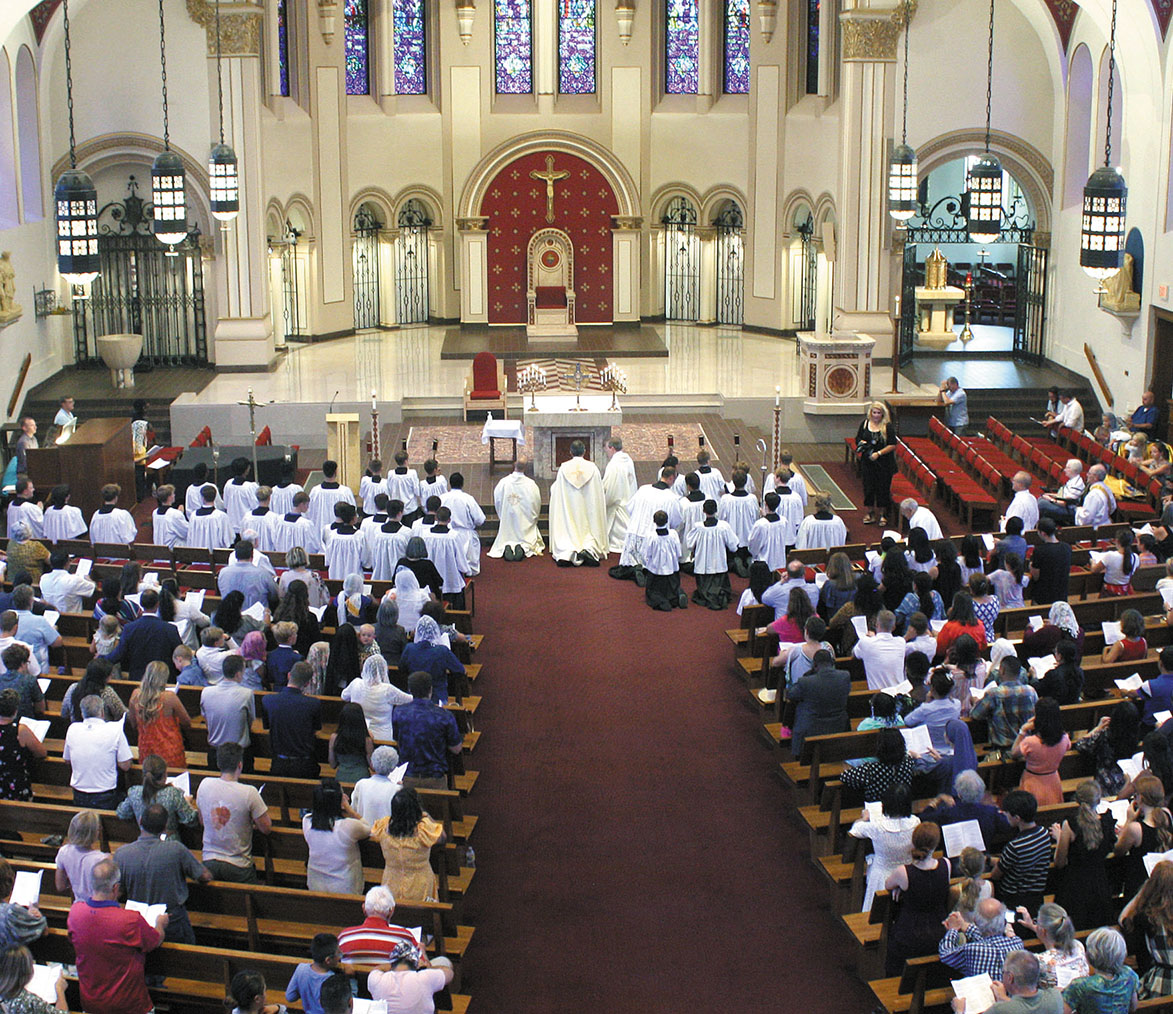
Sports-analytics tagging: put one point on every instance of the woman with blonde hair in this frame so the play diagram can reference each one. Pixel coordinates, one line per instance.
(159, 716)
(1148, 828)
(875, 450)
(79, 855)
(839, 588)
(1083, 844)
(964, 896)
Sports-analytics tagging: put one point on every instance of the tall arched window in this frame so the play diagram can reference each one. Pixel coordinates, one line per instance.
(812, 46)
(681, 261)
(29, 135)
(576, 47)
(736, 47)
(358, 74)
(1079, 126)
(514, 43)
(411, 54)
(283, 47)
(9, 210)
(682, 48)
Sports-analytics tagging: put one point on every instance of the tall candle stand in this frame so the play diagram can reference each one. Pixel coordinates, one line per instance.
(614, 380)
(777, 427)
(529, 381)
(967, 332)
(375, 428)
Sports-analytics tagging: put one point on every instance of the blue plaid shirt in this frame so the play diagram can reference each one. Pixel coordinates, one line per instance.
(973, 953)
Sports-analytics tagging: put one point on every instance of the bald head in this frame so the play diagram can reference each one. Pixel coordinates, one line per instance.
(1021, 481)
(520, 465)
(991, 917)
(1097, 473)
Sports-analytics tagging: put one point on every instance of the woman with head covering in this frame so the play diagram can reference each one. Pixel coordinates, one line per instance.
(318, 657)
(252, 650)
(416, 560)
(409, 597)
(377, 696)
(428, 653)
(352, 605)
(1059, 624)
(389, 635)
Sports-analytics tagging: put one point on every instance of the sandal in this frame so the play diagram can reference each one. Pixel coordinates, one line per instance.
(870, 519)
(882, 521)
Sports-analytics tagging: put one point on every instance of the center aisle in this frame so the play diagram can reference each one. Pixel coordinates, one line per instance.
(636, 850)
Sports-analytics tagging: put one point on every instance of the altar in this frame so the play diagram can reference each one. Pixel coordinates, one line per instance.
(556, 425)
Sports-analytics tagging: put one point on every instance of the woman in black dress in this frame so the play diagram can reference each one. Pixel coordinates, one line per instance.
(875, 447)
(921, 892)
(1082, 849)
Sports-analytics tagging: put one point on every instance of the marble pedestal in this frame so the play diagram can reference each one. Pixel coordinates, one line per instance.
(836, 372)
(934, 308)
(555, 424)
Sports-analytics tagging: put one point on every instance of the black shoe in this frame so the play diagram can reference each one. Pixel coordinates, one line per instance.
(514, 554)
(683, 601)
(564, 563)
(588, 559)
(641, 577)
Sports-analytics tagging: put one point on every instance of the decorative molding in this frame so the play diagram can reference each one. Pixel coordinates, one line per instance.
(1063, 14)
(715, 196)
(624, 19)
(871, 34)
(427, 195)
(466, 12)
(327, 17)
(41, 15)
(768, 17)
(109, 149)
(664, 195)
(240, 26)
(473, 223)
(626, 222)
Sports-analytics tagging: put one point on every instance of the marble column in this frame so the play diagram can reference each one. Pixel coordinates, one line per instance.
(474, 269)
(625, 260)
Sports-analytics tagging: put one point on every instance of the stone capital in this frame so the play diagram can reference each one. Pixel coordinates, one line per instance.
(871, 34)
(240, 25)
(476, 223)
(626, 221)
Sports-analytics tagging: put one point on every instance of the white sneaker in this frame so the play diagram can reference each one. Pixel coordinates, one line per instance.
(767, 696)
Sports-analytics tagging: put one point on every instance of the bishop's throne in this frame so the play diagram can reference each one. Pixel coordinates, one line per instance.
(550, 288)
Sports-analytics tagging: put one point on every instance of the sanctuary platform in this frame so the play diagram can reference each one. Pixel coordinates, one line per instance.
(511, 343)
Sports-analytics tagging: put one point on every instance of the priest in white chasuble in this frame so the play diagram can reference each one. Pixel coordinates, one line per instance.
(662, 561)
(578, 512)
(619, 486)
(771, 535)
(518, 501)
(712, 541)
(641, 510)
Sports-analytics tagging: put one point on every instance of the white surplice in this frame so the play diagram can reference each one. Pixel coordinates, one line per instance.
(323, 497)
(446, 549)
(619, 486)
(344, 551)
(578, 511)
(641, 510)
(821, 533)
(63, 523)
(662, 552)
(281, 502)
(518, 502)
(924, 518)
(769, 539)
(386, 546)
(433, 485)
(260, 521)
(291, 530)
(467, 517)
(692, 513)
(741, 512)
(25, 512)
(169, 527)
(790, 507)
(239, 499)
(208, 529)
(193, 499)
(370, 487)
(797, 485)
(404, 485)
(113, 525)
(711, 545)
(712, 482)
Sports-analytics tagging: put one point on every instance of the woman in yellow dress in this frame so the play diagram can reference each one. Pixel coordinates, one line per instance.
(407, 837)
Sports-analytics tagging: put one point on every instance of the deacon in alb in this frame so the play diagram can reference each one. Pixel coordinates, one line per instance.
(641, 510)
(619, 486)
(325, 495)
(518, 502)
(712, 541)
(209, 527)
(294, 528)
(771, 535)
(168, 523)
(740, 510)
(110, 523)
(467, 517)
(578, 512)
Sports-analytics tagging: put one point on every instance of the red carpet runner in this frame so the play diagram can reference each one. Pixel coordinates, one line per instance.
(636, 850)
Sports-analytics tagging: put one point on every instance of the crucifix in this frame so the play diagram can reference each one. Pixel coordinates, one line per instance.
(253, 405)
(577, 377)
(550, 176)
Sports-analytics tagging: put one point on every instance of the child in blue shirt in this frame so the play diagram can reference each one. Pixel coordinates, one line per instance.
(282, 658)
(190, 674)
(306, 982)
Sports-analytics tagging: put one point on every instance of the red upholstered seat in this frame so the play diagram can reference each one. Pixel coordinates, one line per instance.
(203, 438)
(265, 437)
(484, 378)
(548, 297)
(492, 395)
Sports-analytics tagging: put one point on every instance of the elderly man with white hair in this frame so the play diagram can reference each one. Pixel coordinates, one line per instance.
(967, 803)
(920, 517)
(980, 946)
(1099, 503)
(1023, 504)
(376, 936)
(372, 796)
(1060, 505)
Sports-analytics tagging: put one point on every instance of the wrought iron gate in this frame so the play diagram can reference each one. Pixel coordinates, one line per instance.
(293, 325)
(809, 279)
(366, 269)
(910, 278)
(681, 261)
(1030, 307)
(730, 266)
(411, 263)
(144, 288)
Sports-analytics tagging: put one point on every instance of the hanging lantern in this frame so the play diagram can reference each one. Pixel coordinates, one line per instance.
(902, 180)
(224, 183)
(77, 227)
(168, 198)
(1101, 246)
(985, 199)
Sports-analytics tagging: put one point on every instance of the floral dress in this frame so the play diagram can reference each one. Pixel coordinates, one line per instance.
(14, 773)
(408, 869)
(27, 1003)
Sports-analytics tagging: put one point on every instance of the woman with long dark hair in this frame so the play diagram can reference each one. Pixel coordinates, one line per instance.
(344, 664)
(923, 598)
(1042, 742)
(332, 831)
(112, 603)
(294, 607)
(95, 681)
(895, 579)
(760, 578)
(231, 619)
(1114, 739)
(920, 555)
(406, 838)
(389, 635)
(950, 578)
(1118, 565)
(351, 745)
(865, 602)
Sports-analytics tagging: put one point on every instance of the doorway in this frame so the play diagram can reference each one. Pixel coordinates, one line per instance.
(1162, 371)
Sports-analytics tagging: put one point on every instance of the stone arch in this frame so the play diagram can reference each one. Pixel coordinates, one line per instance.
(795, 201)
(622, 185)
(824, 210)
(377, 198)
(274, 219)
(715, 197)
(430, 198)
(665, 195)
(299, 209)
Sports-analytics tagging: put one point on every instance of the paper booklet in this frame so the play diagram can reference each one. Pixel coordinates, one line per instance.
(936, 626)
(900, 688)
(182, 782)
(1151, 860)
(917, 739)
(962, 835)
(1161, 717)
(26, 890)
(894, 536)
(1133, 683)
(1112, 631)
(861, 626)
(84, 565)
(820, 579)
(256, 611)
(1118, 808)
(195, 597)
(1041, 665)
(51, 617)
(874, 810)
(1034, 623)
(1167, 595)
(988, 539)
(977, 693)
(43, 683)
(976, 991)
(44, 982)
(38, 727)
(150, 913)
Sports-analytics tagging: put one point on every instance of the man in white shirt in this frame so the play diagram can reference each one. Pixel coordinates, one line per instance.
(61, 589)
(1099, 503)
(110, 523)
(168, 523)
(96, 750)
(209, 527)
(1069, 415)
(1060, 505)
(325, 495)
(619, 486)
(25, 511)
(65, 416)
(295, 528)
(920, 517)
(32, 629)
(9, 621)
(1023, 504)
(467, 517)
(882, 653)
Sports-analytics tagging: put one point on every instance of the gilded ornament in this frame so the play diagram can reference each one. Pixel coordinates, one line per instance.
(240, 30)
(870, 34)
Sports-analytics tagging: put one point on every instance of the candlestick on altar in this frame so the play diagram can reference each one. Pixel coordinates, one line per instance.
(614, 380)
(967, 332)
(529, 381)
(253, 405)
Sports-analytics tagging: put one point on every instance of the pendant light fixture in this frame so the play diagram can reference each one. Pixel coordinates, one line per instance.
(167, 177)
(1105, 198)
(77, 202)
(985, 176)
(902, 167)
(223, 173)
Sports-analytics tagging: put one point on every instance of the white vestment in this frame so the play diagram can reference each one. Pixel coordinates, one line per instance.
(209, 529)
(64, 523)
(239, 499)
(446, 549)
(741, 512)
(386, 546)
(518, 502)
(924, 518)
(641, 510)
(578, 511)
(619, 486)
(25, 512)
(692, 513)
(262, 525)
(662, 552)
(368, 488)
(790, 506)
(344, 550)
(434, 485)
(1026, 506)
(369, 526)
(169, 526)
(712, 482)
(750, 486)
(323, 497)
(281, 502)
(797, 485)
(404, 485)
(710, 546)
(193, 499)
(821, 533)
(467, 517)
(113, 526)
(768, 541)
(291, 530)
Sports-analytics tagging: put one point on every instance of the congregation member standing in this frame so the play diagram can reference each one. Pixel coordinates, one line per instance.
(230, 811)
(875, 449)
(1050, 566)
(952, 395)
(96, 750)
(294, 719)
(229, 709)
(61, 589)
(148, 639)
(426, 734)
(255, 583)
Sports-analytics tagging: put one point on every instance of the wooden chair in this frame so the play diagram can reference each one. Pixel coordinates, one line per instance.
(485, 389)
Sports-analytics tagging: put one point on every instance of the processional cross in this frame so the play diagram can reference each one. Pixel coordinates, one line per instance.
(549, 177)
(252, 405)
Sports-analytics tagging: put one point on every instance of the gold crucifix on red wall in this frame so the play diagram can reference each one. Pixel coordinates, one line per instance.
(549, 177)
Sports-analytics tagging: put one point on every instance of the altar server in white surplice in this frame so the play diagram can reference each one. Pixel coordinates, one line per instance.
(619, 486)
(193, 499)
(62, 519)
(446, 549)
(260, 520)
(518, 502)
(423, 523)
(240, 492)
(294, 528)
(281, 502)
(387, 543)
(343, 543)
(712, 541)
(168, 523)
(209, 527)
(797, 482)
(578, 512)
(692, 513)
(662, 562)
(371, 485)
(403, 484)
(823, 529)
(771, 535)
(433, 483)
(370, 524)
(24, 511)
(110, 523)
(712, 481)
(325, 495)
(740, 510)
(641, 509)
(467, 517)
(789, 502)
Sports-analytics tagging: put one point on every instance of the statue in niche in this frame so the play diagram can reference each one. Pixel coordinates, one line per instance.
(1118, 295)
(10, 310)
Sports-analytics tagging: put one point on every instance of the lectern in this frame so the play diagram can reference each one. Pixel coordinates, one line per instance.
(343, 445)
(100, 451)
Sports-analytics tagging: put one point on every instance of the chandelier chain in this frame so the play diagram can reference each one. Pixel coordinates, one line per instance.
(219, 77)
(1111, 87)
(990, 75)
(69, 86)
(907, 26)
(163, 64)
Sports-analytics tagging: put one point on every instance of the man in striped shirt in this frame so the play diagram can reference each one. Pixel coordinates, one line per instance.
(376, 936)
(1020, 873)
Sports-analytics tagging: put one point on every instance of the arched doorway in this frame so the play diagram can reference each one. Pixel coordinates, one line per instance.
(803, 269)
(681, 261)
(730, 264)
(365, 260)
(411, 263)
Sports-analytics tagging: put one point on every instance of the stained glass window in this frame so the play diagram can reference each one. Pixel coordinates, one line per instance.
(358, 81)
(682, 47)
(283, 46)
(812, 47)
(411, 62)
(514, 42)
(737, 47)
(576, 47)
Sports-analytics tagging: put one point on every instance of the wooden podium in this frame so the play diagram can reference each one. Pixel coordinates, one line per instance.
(343, 444)
(100, 451)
